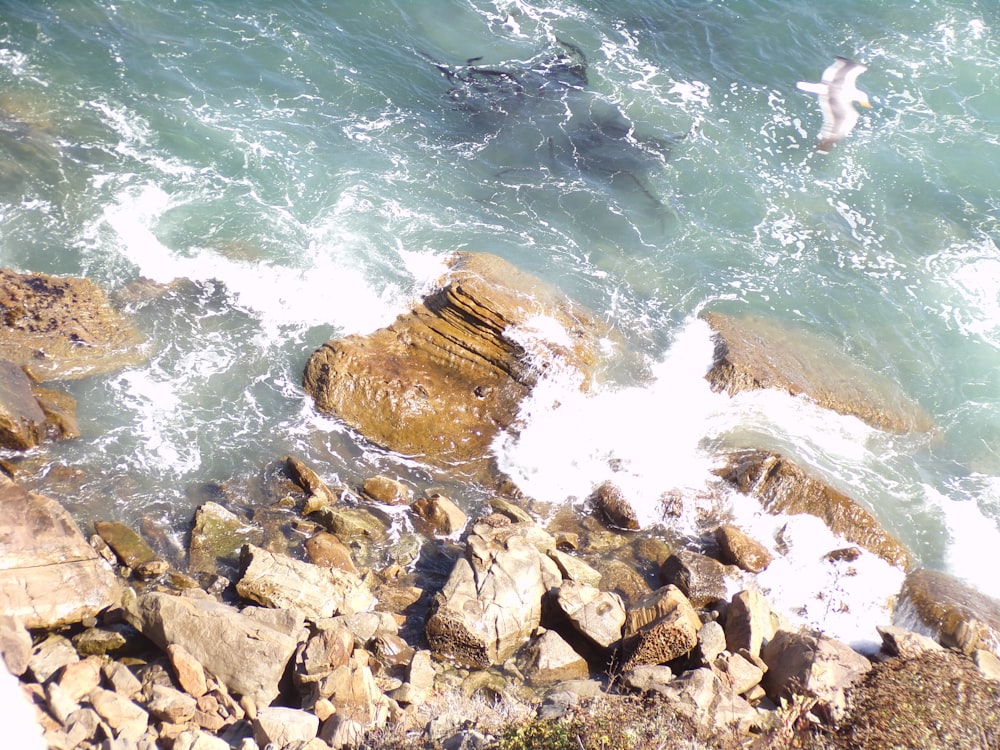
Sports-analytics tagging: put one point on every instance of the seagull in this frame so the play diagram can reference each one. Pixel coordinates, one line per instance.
(837, 93)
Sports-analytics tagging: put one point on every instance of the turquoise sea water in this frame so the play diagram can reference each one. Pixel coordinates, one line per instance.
(309, 166)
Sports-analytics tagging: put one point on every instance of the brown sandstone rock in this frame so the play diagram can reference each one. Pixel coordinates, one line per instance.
(442, 514)
(217, 537)
(49, 575)
(659, 628)
(387, 490)
(280, 727)
(130, 548)
(188, 670)
(738, 549)
(753, 353)
(550, 659)
(598, 615)
(611, 502)
(22, 421)
(700, 578)
(326, 550)
(749, 622)
(320, 495)
(783, 487)
(60, 328)
(443, 379)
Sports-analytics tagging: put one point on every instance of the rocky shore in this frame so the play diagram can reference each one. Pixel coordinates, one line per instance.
(321, 620)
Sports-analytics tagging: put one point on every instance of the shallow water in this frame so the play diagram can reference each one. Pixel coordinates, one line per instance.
(309, 167)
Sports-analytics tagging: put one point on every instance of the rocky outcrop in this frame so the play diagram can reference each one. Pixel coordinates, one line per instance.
(443, 379)
(783, 487)
(49, 575)
(660, 627)
(30, 413)
(753, 353)
(60, 328)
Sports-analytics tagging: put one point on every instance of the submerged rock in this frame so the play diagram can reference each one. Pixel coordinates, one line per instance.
(443, 379)
(753, 353)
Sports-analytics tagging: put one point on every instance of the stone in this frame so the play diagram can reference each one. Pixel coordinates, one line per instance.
(323, 652)
(50, 655)
(128, 720)
(445, 378)
(276, 580)
(129, 547)
(386, 490)
(738, 672)
(82, 726)
(78, 678)
(574, 569)
(99, 641)
(217, 537)
(700, 578)
(598, 615)
(60, 703)
(647, 678)
(326, 550)
(358, 698)
(350, 523)
(898, 641)
(706, 700)
(121, 679)
(188, 671)
(749, 622)
(711, 641)
(280, 727)
(420, 676)
(442, 514)
(491, 602)
(811, 664)
(49, 575)
(196, 739)
(782, 487)
(752, 352)
(611, 503)
(660, 627)
(22, 421)
(169, 704)
(319, 493)
(60, 412)
(549, 659)
(736, 548)
(244, 652)
(15, 644)
(950, 611)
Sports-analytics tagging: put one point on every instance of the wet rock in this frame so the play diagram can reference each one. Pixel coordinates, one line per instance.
(549, 658)
(326, 550)
(749, 622)
(783, 487)
(739, 549)
(660, 627)
(700, 578)
(130, 548)
(351, 523)
(22, 421)
(49, 575)
(491, 602)
(319, 495)
(611, 503)
(442, 514)
(60, 413)
(443, 379)
(244, 650)
(62, 328)
(955, 614)
(280, 727)
(386, 490)
(753, 353)
(573, 568)
(598, 615)
(811, 664)
(279, 581)
(217, 537)
(905, 643)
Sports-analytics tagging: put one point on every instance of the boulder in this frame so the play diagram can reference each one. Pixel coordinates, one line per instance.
(550, 659)
(714, 707)
(324, 651)
(811, 664)
(387, 490)
(749, 622)
(60, 412)
(955, 614)
(129, 547)
(319, 493)
(783, 487)
(700, 578)
(279, 726)
(898, 641)
(188, 670)
(276, 580)
(598, 615)
(443, 515)
(445, 378)
(62, 328)
(246, 652)
(741, 550)
(612, 504)
(358, 699)
(22, 421)
(492, 601)
(217, 537)
(49, 575)
(660, 627)
(753, 353)
(326, 550)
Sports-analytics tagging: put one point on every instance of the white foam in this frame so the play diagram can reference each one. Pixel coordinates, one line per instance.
(971, 532)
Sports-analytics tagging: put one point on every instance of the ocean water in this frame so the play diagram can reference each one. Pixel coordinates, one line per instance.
(306, 169)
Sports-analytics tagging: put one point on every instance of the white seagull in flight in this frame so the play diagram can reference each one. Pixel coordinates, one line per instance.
(837, 94)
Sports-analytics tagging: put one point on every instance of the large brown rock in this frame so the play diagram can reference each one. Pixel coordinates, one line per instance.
(49, 575)
(660, 627)
(22, 421)
(492, 601)
(443, 379)
(783, 487)
(61, 328)
(752, 353)
(952, 612)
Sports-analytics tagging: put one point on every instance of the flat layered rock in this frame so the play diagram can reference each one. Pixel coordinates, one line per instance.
(753, 353)
(443, 379)
(49, 575)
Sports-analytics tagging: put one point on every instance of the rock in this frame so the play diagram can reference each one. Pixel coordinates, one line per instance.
(753, 353)
(15, 644)
(326, 550)
(60, 413)
(22, 421)
(905, 643)
(168, 704)
(279, 581)
(598, 615)
(51, 655)
(99, 641)
(196, 739)
(736, 548)
(246, 653)
(420, 677)
(49, 575)
(783, 487)
(130, 548)
(128, 720)
(574, 569)
(442, 514)
(319, 494)
(738, 672)
(988, 663)
(611, 502)
(700, 578)
(350, 523)
(280, 727)
(660, 627)
(188, 670)
(955, 614)
(445, 378)
(705, 699)
(811, 664)
(78, 678)
(353, 690)
(121, 679)
(711, 641)
(491, 602)
(388, 491)
(550, 659)
(647, 678)
(217, 537)
(62, 328)
(749, 622)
